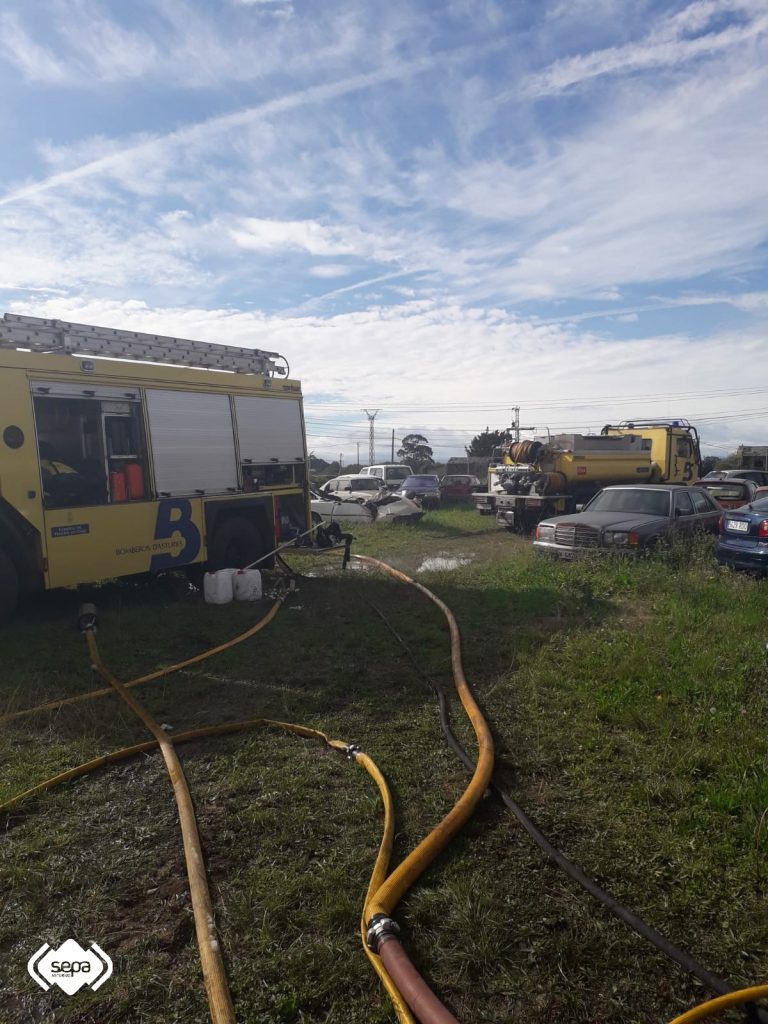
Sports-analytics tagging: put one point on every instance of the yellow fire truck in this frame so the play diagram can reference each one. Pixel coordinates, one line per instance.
(123, 453)
(531, 480)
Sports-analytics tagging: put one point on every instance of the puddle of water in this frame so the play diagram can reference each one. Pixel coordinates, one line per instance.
(330, 568)
(444, 563)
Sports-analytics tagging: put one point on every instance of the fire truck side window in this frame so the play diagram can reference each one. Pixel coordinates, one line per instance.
(91, 452)
(71, 452)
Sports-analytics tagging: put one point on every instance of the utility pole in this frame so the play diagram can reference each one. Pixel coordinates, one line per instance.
(371, 435)
(358, 454)
(516, 422)
(393, 445)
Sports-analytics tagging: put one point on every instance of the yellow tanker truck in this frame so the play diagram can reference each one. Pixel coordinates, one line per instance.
(531, 480)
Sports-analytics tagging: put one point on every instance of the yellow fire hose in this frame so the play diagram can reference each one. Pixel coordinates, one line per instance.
(714, 1006)
(378, 875)
(385, 849)
(211, 959)
(384, 892)
(382, 863)
(142, 748)
(54, 705)
(392, 890)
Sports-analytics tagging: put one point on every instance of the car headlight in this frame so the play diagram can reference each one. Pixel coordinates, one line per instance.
(618, 538)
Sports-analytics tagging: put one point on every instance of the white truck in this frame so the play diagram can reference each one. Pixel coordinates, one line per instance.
(390, 473)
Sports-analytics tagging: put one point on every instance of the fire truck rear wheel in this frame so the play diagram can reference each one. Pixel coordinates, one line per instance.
(236, 543)
(9, 586)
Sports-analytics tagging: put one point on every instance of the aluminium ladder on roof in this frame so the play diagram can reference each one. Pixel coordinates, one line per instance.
(60, 336)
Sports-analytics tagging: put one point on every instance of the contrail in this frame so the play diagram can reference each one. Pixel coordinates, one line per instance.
(225, 122)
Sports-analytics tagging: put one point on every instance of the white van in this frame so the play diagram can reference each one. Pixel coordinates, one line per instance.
(354, 486)
(391, 474)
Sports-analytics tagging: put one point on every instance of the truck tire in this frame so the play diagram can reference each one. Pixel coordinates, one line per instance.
(237, 542)
(533, 516)
(9, 586)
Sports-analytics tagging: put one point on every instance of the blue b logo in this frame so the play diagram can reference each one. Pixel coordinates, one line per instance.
(175, 517)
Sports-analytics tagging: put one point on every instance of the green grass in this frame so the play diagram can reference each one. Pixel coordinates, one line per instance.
(629, 704)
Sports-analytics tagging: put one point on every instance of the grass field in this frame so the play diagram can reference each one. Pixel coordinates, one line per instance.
(629, 702)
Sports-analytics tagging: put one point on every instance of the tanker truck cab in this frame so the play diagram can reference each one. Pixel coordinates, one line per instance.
(674, 447)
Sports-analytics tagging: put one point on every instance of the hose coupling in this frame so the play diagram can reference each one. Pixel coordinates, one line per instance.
(352, 750)
(380, 928)
(87, 618)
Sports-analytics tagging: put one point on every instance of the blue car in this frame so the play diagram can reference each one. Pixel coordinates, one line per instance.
(743, 539)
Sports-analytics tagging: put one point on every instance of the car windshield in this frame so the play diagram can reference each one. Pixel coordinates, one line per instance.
(398, 472)
(760, 504)
(727, 491)
(654, 503)
(422, 481)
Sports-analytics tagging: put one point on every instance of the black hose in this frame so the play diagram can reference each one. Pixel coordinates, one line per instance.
(669, 949)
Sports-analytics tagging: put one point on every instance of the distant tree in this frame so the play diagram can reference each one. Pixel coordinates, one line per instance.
(484, 443)
(709, 463)
(415, 452)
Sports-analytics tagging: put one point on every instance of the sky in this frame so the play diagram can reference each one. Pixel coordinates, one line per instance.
(438, 209)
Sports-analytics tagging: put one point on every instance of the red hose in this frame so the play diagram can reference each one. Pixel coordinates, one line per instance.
(414, 990)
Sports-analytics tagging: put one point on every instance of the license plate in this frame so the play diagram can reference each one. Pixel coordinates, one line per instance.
(737, 524)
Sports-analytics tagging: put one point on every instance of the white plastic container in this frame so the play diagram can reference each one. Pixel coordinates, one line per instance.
(247, 585)
(218, 587)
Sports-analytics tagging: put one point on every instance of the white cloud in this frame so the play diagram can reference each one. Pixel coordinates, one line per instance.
(264, 235)
(330, 270)
(35, 61)
(663, 185)
(658, 178)
(668, 45)
(749, 302)
(564, 377)
(131, 160)
(275, 8)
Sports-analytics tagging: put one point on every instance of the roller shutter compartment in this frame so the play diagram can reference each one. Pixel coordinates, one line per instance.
(193, 445)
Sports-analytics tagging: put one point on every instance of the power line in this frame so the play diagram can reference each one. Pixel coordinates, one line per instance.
(536, 404)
